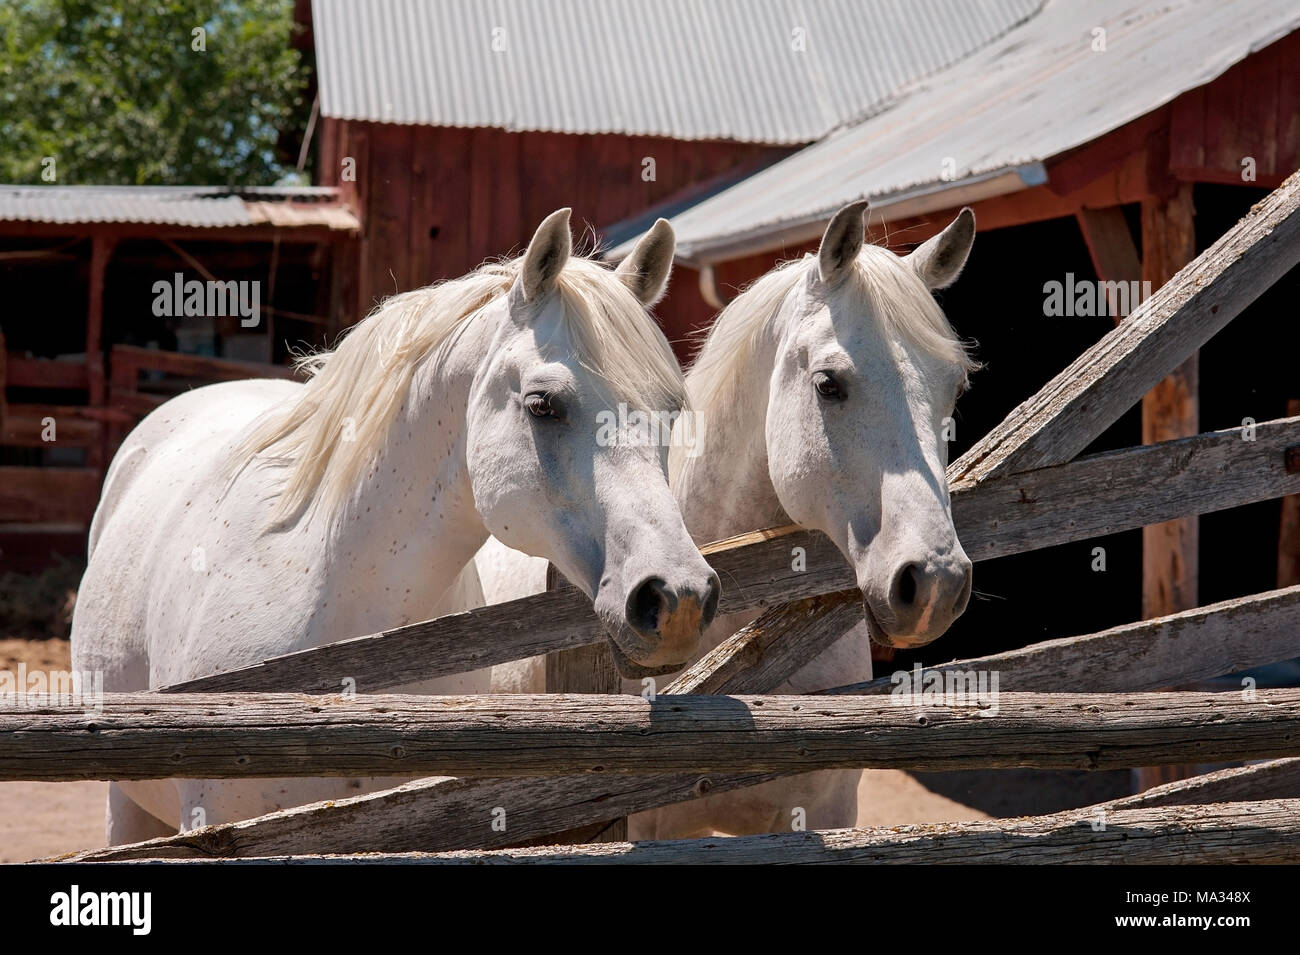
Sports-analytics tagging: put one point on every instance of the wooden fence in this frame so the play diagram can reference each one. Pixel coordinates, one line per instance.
(565, 766)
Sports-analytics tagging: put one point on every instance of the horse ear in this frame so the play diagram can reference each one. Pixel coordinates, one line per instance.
(646, 270)
(842, 241)
(939, 260)
(547, 254)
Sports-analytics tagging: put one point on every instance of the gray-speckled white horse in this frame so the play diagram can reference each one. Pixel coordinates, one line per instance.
(250, 519)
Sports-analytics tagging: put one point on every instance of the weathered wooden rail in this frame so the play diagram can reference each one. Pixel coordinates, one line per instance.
(137, 736)
(1259, 832)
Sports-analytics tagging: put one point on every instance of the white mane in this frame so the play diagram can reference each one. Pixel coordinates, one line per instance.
(367, 378)
(881, 284)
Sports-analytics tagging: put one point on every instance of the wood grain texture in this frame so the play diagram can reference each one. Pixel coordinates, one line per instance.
(1071, 410)
(140, 736)
(1170, 410)
(589, 669)
(1119, 490)
(1096, 495)
(1198, 644)
(1288, 536)
(1259, 832)
(442, 815)
(1114, 255)
(1275, 779)
(764, 654)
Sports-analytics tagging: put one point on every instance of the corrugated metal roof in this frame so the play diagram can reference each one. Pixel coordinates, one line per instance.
(995, 117)
(196, 206)
(685, 69)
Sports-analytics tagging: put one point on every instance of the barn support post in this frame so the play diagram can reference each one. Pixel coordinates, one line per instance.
(1170, 410)
(101, 248)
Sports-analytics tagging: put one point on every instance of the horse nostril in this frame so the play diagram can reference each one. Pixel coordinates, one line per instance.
(963, 596)
(711, 596)
(906, 584)
(645, 604)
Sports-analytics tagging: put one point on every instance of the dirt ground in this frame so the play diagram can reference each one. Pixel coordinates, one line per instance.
(44, 819)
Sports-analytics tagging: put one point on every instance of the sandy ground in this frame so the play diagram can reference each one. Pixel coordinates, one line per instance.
(44, 819)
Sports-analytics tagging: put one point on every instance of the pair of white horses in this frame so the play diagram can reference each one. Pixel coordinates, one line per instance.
(250, 519)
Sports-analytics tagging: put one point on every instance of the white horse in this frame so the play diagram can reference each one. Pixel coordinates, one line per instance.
(822, 392)
(250, 519)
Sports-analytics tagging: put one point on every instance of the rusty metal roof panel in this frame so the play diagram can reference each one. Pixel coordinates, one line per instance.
(986, 125)
(769, 71)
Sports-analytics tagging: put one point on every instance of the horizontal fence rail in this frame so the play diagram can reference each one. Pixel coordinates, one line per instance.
(147, 736)
(1260, 832)
(398, 820)
(441, 814)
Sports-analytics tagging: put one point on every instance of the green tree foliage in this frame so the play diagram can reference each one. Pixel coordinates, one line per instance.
(129, 94)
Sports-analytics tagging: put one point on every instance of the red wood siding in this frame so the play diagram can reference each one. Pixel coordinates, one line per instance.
(438, 201)
(1251, 110)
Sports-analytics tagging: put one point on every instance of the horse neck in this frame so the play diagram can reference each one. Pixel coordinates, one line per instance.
(729, 491)
(411, 525)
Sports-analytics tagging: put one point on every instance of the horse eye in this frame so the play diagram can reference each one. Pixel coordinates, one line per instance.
(827, 386)
(539, 406)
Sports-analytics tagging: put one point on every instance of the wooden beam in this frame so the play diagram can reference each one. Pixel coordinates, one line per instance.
(196, 366)
(1123, 184)
(25, 426)
(1261, 832)
(1073, 170)
(1114, 255)
(46, 373)
(1170, 550)
(761, 656)
(383, 822)
(1082, 401)
(1170, 410)
(1099, 494)
(586, 669)
(48, 495)
(1192, 645)
(1119, 490)
(227, 736)
(1288, 538)
(101, 247)
(4, 377)
(445, 814)
(1274, 779)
